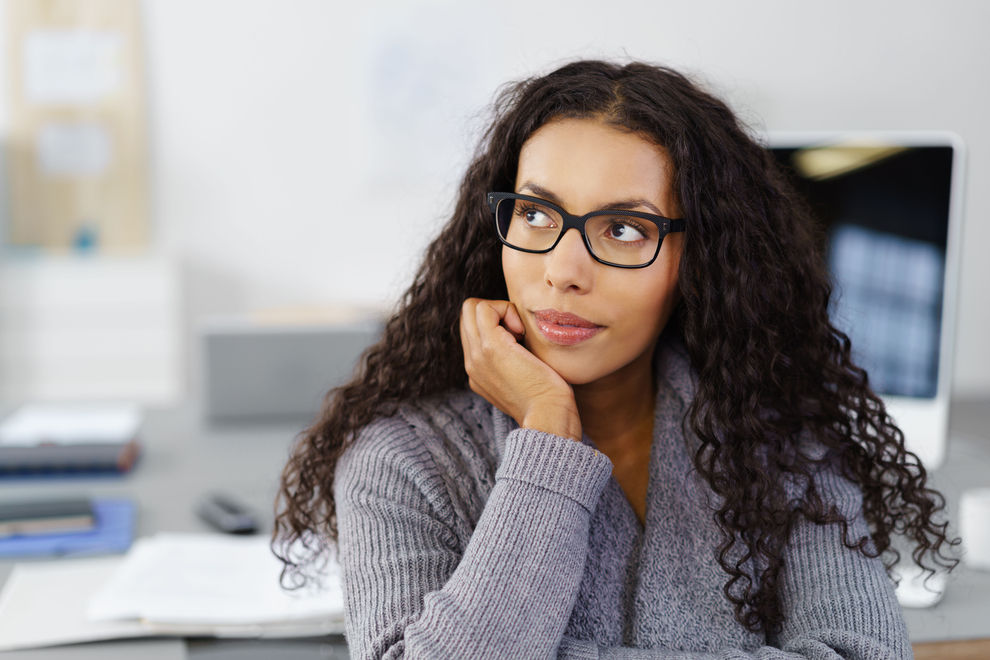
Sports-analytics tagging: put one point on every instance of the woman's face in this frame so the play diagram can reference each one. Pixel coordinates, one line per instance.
(586, 165)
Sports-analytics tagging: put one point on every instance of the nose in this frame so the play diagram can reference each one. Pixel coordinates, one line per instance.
(569, 266)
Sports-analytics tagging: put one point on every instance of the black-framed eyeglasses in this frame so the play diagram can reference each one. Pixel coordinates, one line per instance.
(625, 239)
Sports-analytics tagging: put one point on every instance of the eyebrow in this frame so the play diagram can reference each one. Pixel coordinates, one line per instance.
(622, 205)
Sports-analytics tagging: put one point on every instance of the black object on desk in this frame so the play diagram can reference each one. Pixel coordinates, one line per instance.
(226, 514)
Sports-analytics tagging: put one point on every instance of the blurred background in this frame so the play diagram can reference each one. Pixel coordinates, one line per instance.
(286, 161)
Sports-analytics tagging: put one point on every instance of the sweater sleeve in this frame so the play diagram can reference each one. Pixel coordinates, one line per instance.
(409, 590)
(838, 603)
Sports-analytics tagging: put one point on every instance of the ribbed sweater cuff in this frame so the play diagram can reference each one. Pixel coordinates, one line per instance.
(576, 649)
(558, 464)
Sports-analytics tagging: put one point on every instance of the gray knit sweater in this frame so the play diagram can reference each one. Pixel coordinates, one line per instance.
(463, 536)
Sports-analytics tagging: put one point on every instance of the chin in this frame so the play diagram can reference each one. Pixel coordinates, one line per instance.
(576, 369)
(578, 378)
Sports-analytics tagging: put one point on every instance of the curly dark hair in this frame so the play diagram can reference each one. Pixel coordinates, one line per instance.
(753, 315)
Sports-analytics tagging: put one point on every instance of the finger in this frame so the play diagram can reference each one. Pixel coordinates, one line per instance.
(508, 316)
(513, 322)
(469, 326)
(489, 314)
(495, 312)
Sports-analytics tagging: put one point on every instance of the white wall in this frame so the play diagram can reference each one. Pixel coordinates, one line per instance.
(280, 130)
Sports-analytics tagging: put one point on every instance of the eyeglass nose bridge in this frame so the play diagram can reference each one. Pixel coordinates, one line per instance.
(570, 221)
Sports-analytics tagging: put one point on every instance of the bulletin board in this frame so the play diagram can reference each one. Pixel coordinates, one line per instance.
(76, 145)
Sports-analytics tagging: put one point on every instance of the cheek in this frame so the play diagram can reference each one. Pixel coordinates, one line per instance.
(663, 302)
(665, 292)
(652, 303)
(518, 272)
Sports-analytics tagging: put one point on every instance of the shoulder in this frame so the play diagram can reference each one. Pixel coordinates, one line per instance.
(826, 478)
(440, 448)
(458, 421)
(835, 489)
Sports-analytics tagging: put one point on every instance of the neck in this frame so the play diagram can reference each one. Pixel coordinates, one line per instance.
(617, 410)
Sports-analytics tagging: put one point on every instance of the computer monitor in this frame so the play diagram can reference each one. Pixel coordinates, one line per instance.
(891, 207)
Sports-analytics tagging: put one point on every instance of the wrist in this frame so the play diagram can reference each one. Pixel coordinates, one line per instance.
(558, 419)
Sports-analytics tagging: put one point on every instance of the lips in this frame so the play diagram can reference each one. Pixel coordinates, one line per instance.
(564, 328)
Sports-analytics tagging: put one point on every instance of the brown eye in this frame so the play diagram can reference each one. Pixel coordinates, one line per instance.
(536, 217)
(625, 232)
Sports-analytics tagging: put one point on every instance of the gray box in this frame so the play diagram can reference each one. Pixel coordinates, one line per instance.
(261, 372)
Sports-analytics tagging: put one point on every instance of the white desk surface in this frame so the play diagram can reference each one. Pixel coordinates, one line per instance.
(182, 459)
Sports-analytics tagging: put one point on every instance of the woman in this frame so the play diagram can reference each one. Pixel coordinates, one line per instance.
(640, 438)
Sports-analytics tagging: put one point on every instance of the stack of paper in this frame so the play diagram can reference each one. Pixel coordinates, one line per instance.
(212, 580)
(169, 584)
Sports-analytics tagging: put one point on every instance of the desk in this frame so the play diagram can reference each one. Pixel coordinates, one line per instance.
(183, 459)
(964, 612)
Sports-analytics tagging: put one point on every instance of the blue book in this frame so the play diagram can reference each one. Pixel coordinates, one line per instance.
(112, 533)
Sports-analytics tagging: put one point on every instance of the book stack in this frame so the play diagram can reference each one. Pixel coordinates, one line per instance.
(58, 438)
(66, 527)
(48, 516)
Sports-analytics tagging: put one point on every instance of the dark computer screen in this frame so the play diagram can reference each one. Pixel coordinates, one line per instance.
(884, 209)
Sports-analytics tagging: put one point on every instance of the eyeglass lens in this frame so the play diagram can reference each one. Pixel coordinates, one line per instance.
(619, 239)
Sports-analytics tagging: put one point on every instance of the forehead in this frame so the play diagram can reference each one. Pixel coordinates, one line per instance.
(586, 162)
